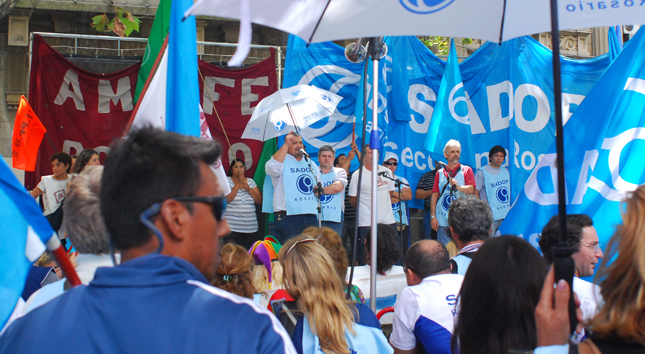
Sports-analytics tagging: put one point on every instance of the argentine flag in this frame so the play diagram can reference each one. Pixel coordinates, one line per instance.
(604, 143)
(25, 231)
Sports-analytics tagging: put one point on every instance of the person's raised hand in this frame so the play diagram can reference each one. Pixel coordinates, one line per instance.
(288, 138)
(552, 313)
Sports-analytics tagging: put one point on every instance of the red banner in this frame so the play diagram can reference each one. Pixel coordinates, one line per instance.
(234, 95)
(84, 110)
(79, 109)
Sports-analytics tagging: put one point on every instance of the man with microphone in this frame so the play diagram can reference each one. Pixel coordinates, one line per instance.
(451, 182)
(424, 191)
(295, 204)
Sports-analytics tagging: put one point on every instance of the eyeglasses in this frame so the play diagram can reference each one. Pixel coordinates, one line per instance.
(300, 241)
(594, 247)
(390, 163)
(218, 204)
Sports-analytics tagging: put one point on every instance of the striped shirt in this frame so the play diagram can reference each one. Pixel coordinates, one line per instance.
(350, 212)
(240, 212)
(426, 182)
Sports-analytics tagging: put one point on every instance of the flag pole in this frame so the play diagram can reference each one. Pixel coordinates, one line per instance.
(50, 141)
(57, 249)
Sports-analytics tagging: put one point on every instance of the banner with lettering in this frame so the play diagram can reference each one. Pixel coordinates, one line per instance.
(509, 91)
(79, 109)
(604, 144)
(83, 110)
(233, 94)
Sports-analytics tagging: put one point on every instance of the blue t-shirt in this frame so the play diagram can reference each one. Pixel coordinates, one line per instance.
(365, 317)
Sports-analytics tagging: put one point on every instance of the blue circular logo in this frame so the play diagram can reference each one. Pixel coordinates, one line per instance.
(445, 204)
(502, 195)
(326, 198)
(324, 97)
(279, 125)
(425, 6)
(305, 184)
(296, 93)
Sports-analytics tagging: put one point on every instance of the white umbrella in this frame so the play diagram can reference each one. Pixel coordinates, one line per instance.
(494, 20)
(289, 109)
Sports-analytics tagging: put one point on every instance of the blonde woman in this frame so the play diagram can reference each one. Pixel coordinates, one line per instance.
(619, 326)
(324, 320)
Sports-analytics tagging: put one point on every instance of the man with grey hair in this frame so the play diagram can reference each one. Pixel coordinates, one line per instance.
(470, 220)
(451, 182)
(334, 180)
(84, 226)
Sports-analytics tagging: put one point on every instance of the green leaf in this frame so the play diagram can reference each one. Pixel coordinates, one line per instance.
(99, 22)
(130, 22)
(465, 41)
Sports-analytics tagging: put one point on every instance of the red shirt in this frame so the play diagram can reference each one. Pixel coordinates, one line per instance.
(469, 176)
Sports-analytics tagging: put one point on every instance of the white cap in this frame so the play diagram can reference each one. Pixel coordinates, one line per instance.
(390, 155)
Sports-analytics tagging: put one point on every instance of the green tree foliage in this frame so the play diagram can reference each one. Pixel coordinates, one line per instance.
(441, 45)
(123, 23)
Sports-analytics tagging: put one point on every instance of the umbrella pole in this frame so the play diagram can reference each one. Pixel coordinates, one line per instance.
(374, 145)
(295, 126)
(563, 263)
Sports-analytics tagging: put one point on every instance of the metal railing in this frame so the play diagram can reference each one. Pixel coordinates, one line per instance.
(119, 50)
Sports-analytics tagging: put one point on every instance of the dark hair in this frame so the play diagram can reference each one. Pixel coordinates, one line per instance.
(336, 159)
(387, 247)
(470, 218)
(82, 160)
(63, 158)
(498, 298)
(495, 149)
(431, 259)
(233, 274)
(233, 162)
(148, 167)
(551, 235)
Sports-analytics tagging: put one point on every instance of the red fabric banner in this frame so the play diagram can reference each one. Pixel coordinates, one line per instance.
(28, 132)
(234, 93)
(84, 110)
(79, 109)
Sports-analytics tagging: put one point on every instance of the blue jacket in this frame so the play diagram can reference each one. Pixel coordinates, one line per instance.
(152, 304)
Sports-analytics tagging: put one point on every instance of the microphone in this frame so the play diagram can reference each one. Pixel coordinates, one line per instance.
(384, 173)
(304, 153)
(439, 164)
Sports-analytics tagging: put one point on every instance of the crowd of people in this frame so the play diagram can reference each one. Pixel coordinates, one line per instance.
(148, 229)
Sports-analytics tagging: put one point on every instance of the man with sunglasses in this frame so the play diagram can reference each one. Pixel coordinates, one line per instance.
(162, 205)
(391, 161)
(583, 237)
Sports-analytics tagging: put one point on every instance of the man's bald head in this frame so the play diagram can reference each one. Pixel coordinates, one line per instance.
(426, 258)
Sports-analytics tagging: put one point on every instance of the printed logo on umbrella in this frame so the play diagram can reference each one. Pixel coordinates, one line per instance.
(296, 93)
(326, 98)
(279, 125)
(425, 6)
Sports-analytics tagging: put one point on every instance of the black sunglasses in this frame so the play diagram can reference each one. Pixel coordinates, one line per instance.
(218, 204)
(391, 163)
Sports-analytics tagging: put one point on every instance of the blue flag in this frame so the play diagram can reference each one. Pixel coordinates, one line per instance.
(603, 149)
(324, 65)
(182, 103)
(614, 43)
(450, 119)
(24, 233)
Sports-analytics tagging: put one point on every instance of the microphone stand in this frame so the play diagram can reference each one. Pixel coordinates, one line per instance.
(318, 188)
(397, 185)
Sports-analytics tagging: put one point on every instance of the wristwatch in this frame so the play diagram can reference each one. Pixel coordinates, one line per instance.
(432, 217)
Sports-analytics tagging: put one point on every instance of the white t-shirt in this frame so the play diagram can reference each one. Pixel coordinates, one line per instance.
(53, 192)
(240, 212)
(384, 211)
(427, 312)
(589, 296)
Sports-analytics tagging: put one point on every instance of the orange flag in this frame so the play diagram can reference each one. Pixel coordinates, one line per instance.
(28, 132)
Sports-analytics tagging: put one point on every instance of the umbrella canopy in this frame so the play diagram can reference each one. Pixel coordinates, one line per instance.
(289, 109)
(494, 20)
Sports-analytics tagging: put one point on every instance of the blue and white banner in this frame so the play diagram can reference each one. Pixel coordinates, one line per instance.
(507, 92)
(510, 100)
(604, 143)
